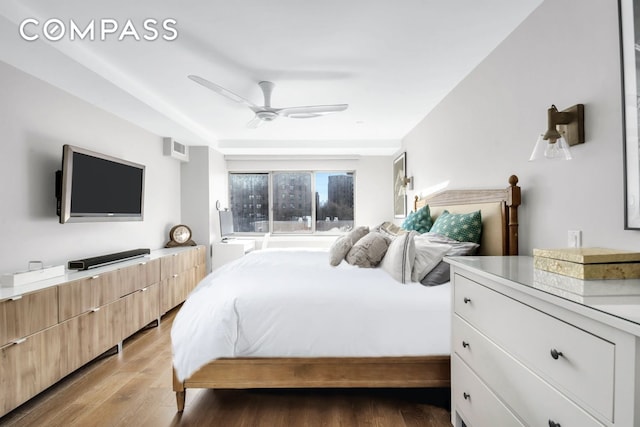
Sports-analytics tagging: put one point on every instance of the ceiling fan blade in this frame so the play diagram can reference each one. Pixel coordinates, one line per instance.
(222, 91)
(310, 111)
(254, 123)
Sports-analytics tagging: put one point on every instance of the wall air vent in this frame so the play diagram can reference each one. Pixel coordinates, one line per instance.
(176, 150)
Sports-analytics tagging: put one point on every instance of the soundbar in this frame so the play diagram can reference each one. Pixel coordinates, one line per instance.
(99, 261)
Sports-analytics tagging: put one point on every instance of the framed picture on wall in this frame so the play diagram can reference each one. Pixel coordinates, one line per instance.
(399, 193)
(630, 42)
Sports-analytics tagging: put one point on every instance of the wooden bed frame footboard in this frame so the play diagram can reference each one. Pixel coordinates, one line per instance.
(359, 372)
(318, 372)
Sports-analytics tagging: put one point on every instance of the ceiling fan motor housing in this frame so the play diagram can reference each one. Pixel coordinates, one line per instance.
(267, 116)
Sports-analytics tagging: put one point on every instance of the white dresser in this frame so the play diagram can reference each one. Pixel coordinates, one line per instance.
(535, 348)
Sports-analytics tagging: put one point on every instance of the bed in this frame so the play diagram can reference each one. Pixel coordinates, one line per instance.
(265, 367)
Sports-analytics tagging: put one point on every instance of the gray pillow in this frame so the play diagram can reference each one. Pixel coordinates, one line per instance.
(369, 250)
(340, 248)
(398, 261)
(441, 273)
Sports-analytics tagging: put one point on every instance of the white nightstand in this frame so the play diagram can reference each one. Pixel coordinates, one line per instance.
(229, 250)
(528, 351)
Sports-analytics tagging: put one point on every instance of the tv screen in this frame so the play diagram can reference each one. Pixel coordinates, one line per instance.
(226, 223)
(97, 187)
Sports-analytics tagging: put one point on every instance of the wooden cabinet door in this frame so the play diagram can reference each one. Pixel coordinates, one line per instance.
(29, 313)
(142, 308)
(28, 367)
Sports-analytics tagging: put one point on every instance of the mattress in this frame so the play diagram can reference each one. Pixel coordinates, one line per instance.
(292, 303)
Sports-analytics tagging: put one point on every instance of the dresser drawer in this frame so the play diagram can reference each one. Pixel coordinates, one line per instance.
(26, 314)
(514, 383)
(474, 402)
(83, 295)
(576, 362)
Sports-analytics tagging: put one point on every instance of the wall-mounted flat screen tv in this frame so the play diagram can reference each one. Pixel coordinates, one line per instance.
(97, 187)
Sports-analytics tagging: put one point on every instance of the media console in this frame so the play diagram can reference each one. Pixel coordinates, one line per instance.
(99, 261)
(52, 327)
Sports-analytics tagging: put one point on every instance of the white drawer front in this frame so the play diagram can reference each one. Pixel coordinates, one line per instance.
(474, 402)
(585, 368)
(531, 398)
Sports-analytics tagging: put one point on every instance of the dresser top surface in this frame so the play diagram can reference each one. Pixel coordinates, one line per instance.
(619, 298)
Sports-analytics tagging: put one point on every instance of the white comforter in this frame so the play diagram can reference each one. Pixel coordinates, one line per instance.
(292, 303)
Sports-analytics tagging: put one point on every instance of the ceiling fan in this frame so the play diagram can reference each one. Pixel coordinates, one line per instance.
(267, 113)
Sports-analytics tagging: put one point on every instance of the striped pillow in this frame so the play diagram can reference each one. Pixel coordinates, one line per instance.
(399, 259)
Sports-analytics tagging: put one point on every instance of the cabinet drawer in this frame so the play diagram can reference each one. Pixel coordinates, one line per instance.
(142, 308)
(83, 295)
(585, 368)
(516, 385)
(26, 314)
(139, 276)
(473, 400)
(28, 367)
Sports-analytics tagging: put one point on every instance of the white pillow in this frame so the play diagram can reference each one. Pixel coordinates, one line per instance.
(398, 261)
(428, 256)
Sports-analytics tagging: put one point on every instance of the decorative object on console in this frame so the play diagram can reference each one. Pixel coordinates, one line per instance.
(399, 186)
(555, 143)
(99, 261)
(180, 235)
(589, 263)
(32, 274)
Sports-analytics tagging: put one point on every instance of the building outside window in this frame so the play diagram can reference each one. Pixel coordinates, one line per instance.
(303, 202)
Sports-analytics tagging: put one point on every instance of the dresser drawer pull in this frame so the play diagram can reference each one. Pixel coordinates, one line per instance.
(467, 300)
(466, 396)
(174, 276)
(16, 298)
(95, 310)
(142, 263)
(555, 354)
(144, 289)
(95, 277)
(465, 344)
(19, 341)
(554, 424)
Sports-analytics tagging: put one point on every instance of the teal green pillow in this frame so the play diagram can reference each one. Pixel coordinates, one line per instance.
(460, 227)
(419, 221)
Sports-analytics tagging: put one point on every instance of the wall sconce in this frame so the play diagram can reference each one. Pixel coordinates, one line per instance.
(405, 184)
(564, 129)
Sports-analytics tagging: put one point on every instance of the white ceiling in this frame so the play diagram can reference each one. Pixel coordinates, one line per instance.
(391, 61)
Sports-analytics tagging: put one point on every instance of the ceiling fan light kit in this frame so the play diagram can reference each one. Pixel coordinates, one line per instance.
(267, 113)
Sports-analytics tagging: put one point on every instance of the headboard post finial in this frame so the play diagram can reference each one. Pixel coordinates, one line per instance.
(514, 199)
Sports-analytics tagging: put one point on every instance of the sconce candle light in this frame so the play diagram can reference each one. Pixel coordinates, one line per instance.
(564, 129)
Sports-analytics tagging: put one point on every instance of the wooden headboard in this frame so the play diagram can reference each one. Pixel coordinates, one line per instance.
(499, 211)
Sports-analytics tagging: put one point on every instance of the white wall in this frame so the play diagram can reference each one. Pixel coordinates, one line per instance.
(203, 181)
(566, 52)
(373, 184)
(36, 119)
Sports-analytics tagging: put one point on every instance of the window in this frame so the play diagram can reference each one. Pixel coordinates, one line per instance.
(334, 201)
(303, 202)
(243, 189)
(288, 217)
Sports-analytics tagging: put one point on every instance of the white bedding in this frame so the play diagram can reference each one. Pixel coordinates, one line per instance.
(292, 303)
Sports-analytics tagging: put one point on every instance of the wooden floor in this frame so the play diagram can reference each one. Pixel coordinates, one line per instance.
(133, 388)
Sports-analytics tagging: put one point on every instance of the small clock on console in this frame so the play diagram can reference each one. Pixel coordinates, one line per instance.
(180, 235)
